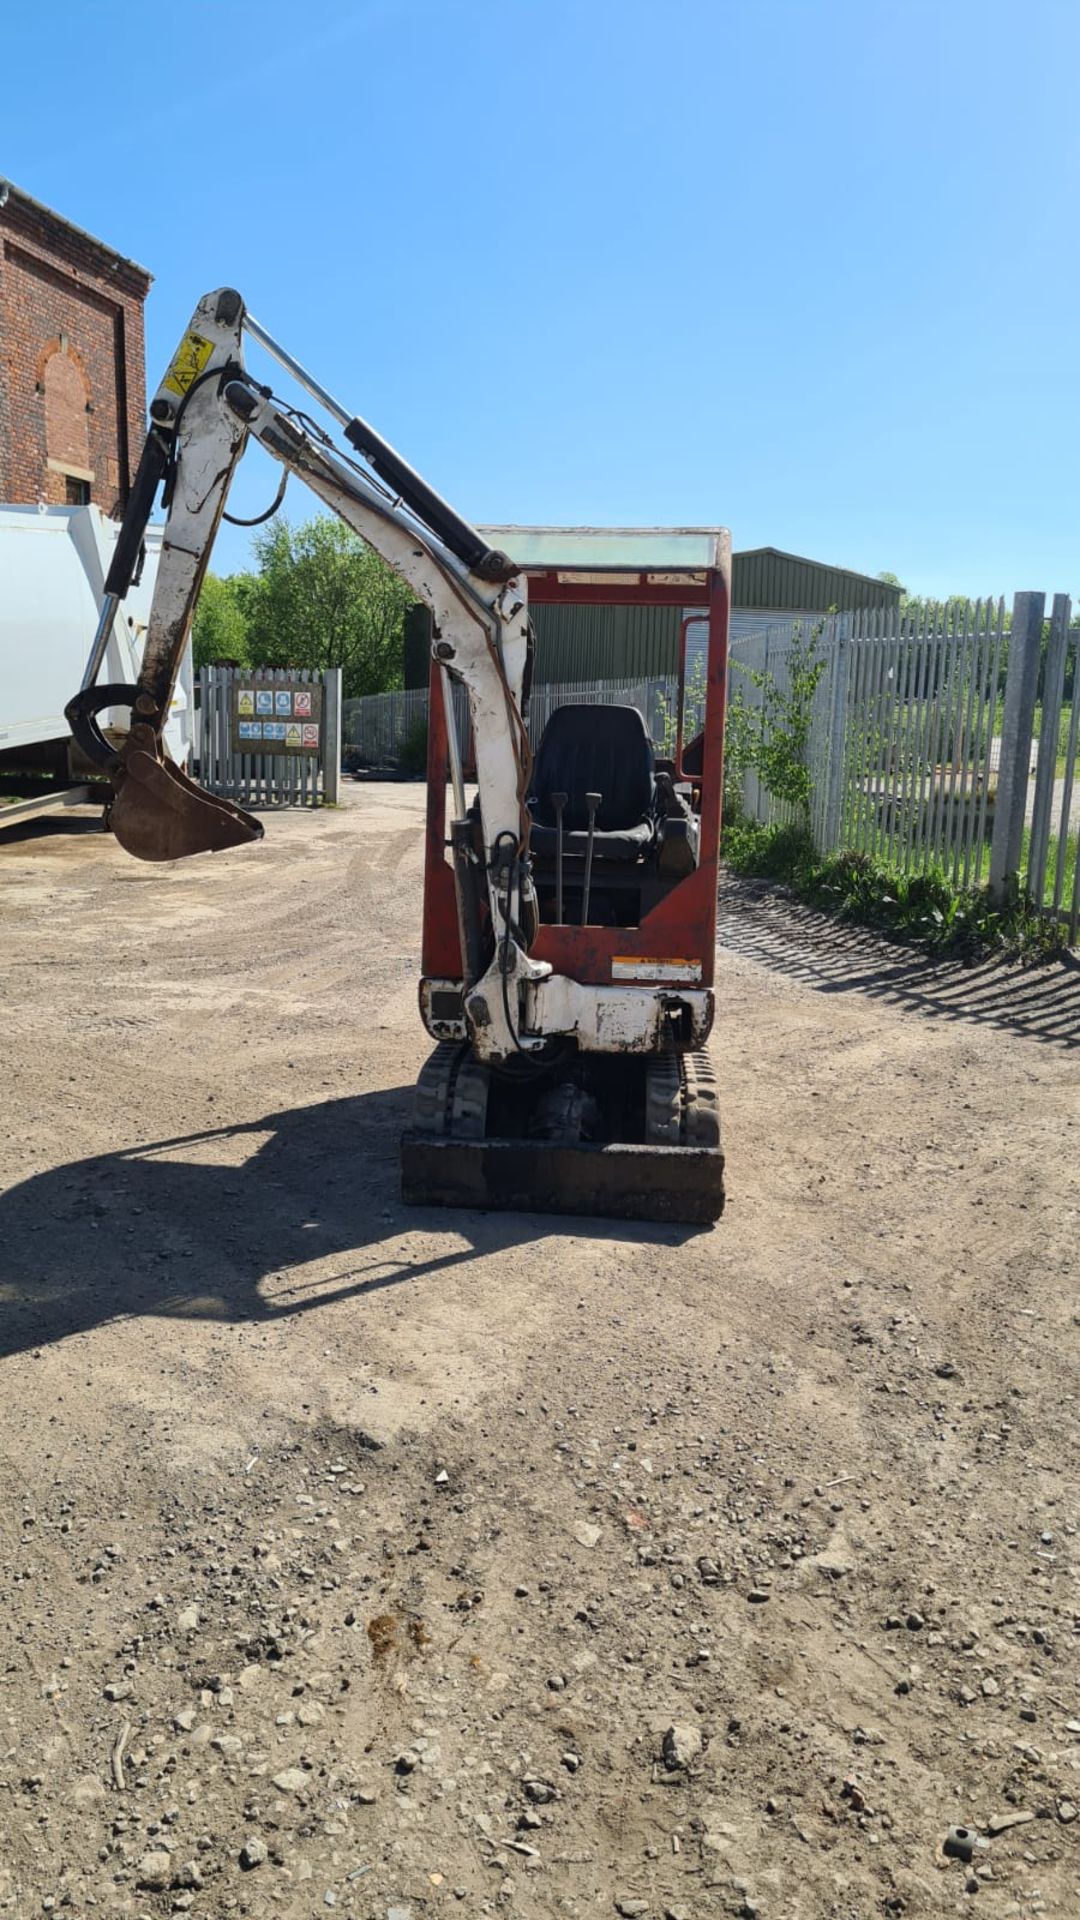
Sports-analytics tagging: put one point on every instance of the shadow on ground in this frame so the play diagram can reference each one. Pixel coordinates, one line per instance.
(193, 1227)
(66, 823)
(781, 933)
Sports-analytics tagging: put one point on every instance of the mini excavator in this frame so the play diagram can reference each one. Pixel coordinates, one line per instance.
(570, 905)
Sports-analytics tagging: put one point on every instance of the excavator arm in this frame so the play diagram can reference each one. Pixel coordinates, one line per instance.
(204, 412)
(191, 451)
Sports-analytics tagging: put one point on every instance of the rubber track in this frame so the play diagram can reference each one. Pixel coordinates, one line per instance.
(682, 1103)
(450, 1100)
(663, 1100)
(701, 1100)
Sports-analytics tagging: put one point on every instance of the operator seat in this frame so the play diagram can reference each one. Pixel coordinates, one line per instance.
(595, 749)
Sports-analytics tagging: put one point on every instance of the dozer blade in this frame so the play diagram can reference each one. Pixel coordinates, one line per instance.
(535, 1176)
(159, 814)
(479, 1141)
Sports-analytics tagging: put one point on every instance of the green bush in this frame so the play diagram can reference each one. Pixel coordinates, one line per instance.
(924, 909)
(774, 853)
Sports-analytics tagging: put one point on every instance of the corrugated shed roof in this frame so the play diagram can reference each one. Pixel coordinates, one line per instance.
(767, 578)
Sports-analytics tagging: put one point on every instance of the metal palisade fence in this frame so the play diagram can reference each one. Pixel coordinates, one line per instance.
(377, 730)
(270, 776)
(945, 740)
(901, 742)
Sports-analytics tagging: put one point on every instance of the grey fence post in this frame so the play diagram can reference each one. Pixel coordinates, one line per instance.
(1014, 766)
(834, 765)
(331, 743)
(1053, 689)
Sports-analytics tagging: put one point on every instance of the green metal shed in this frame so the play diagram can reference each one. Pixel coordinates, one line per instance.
(583, 643)
(784, 583)
(622, 643)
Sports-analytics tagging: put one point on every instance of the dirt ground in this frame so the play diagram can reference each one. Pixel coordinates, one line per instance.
(360, 1558)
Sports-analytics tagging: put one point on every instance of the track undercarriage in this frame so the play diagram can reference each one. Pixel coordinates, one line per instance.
(632, 1137)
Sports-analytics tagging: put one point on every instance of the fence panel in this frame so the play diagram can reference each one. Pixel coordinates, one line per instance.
(901, 730)
(909, 756)
(375, 729)
(761, 661)
(1017, 732)
(266, 779)
(385, 730)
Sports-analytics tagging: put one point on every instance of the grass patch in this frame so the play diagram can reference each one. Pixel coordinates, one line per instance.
(923, 909)
(1054, 852)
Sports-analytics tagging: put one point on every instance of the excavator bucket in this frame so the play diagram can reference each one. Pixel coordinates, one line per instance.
(159, 814)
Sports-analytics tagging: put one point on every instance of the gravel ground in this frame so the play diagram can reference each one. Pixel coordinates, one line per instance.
(408, 1563)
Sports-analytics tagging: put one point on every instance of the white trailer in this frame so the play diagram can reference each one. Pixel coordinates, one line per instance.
(53, 563)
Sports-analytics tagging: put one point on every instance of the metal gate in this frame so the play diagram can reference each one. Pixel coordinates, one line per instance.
(291, 716)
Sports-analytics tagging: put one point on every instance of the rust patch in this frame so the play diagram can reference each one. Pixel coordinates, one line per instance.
(391, 1635)
(382, 1631)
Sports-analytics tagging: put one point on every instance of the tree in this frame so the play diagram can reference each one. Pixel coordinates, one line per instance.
(322, 598)
(220, 628)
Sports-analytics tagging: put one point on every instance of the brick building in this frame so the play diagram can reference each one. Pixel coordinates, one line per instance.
(72, 360)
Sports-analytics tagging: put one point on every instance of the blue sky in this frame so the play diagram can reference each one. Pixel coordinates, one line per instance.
(807, 268)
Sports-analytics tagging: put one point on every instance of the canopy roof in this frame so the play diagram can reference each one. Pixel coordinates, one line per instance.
(587, 554)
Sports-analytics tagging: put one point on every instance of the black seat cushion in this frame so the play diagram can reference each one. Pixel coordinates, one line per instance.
(628, 843)
(595, 749)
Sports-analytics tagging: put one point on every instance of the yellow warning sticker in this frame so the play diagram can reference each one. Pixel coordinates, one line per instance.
(188, 362)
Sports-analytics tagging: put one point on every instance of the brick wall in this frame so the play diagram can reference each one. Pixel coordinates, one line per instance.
(72, 366)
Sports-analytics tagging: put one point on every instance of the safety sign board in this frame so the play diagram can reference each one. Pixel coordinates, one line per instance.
(283, 718)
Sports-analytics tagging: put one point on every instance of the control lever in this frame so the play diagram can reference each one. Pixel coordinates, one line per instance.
(558, 801)
(592, 802)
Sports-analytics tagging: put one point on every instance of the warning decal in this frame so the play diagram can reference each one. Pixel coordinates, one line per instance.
(191, 357)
